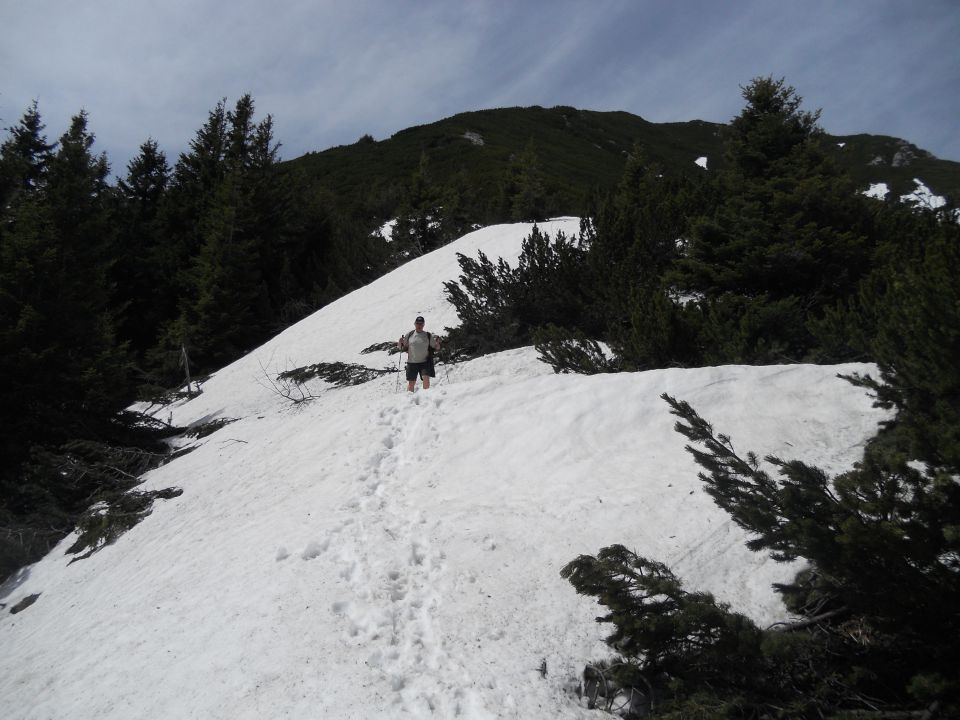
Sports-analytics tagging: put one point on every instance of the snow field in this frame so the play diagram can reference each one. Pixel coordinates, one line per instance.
(384, 554)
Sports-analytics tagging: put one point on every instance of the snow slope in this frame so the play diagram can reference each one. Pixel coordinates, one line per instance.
(381, 554)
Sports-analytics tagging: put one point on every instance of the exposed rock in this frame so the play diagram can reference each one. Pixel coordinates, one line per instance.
(473, 137)
(903, 157)
(907, 153)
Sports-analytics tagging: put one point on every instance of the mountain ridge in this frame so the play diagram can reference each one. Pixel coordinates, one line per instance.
(580, 151)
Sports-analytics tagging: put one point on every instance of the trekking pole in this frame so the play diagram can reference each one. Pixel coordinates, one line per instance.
(446, 365)
(399, 365)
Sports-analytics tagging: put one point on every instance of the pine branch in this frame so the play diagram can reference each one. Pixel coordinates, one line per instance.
(737, 485)
(337, 373)
(808, 622)
(389, 346)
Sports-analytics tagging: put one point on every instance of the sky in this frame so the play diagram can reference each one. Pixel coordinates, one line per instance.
(375, 553)
(329, 72)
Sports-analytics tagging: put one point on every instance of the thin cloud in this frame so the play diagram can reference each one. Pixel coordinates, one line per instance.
(329, 72)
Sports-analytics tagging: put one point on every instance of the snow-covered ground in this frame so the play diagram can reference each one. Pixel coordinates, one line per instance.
(379, 554)
(922, 196)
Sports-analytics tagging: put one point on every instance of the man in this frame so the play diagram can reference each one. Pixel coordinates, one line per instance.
(420, 346)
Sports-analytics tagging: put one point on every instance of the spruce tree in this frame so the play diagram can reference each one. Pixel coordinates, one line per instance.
(60, 321)
(523, 192)
(636, 238)
(65, 374)
(23, 157)
(201, 169)
(227, 314)
(196, 177)
(770, 128)
(790, 237)
(457, 203)
(418, 228)
(143, 288)
(226, 213)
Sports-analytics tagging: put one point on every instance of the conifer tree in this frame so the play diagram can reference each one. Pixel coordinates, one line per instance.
(640, 227)
(62, 243)
(200, 170)
(913, 316)
(27, 254)
(502, 307)
(523, 193)
(671, 643)
(23, 156)
(636, 238)
(418, 228)
(457, 201)
(878, 603)
(227, 215)
(227, 315)
(770, 128)
(65, 375)
(238, 152)
(196, 177)
(790, 237)
(143, 288)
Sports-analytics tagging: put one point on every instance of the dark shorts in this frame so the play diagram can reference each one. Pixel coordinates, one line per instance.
(423, 369)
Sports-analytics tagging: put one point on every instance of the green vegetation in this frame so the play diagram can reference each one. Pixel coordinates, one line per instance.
(337, 374)
(581, 155)
(768, 260)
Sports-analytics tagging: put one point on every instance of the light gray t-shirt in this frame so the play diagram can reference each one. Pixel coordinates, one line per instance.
(417, 344)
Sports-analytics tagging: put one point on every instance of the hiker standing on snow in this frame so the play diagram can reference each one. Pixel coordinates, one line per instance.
(420, 347)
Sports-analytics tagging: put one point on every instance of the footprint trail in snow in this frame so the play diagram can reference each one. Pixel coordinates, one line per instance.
(392, 577)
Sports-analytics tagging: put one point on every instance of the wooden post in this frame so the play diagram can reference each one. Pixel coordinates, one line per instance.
(185, 363)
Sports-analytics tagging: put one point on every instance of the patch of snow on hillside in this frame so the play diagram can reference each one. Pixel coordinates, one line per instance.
(701, 161)
(923, 197)
(474, 137)
(375, 553)
(877, 190)
(386, 230)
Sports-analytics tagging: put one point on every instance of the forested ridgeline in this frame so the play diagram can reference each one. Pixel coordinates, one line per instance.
(776, 259)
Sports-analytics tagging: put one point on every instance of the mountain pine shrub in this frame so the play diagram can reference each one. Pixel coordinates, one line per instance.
(502, 307)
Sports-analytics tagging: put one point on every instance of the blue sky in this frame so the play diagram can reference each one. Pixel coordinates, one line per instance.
(329, 72)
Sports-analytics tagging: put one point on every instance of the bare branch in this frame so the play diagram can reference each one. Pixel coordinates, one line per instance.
(287, 389)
